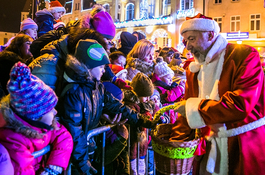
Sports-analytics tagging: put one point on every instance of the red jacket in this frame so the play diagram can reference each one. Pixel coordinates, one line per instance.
(241, 101)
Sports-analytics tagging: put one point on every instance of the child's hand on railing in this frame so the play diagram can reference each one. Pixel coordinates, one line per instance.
(115, 120)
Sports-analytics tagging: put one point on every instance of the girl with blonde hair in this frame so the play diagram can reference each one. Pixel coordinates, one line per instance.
(140, 59)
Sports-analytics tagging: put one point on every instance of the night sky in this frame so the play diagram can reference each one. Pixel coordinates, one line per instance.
(10, 14)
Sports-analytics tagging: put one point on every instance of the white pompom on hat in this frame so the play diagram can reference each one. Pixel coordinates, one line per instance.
(162, 69)
(199, 23)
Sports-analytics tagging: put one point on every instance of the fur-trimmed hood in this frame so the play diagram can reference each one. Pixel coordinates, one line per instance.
(79, 68)
(142, 66)
(16, 123)
(135, 65)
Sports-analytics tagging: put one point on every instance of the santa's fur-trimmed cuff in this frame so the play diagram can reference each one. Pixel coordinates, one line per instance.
(193, 116)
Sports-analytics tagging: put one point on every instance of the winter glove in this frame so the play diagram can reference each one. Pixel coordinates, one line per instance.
(87, 168)
(122, 84)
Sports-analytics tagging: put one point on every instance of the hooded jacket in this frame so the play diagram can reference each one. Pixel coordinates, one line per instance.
(46, 38)
(45, 20)
(82, 105)
(128, 40)
(49, 67)
(21, 139)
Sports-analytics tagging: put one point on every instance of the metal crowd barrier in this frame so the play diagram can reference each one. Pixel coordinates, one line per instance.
(95, 132)
(91, 133)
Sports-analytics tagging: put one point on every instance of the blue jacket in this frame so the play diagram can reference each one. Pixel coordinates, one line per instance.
(45, 20)
(49, 67)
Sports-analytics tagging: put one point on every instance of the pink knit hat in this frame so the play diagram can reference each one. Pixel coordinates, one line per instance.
(28, 24)
(103, 23)
(29, 96)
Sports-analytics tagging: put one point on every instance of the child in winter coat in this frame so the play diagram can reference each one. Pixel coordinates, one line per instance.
(138, 99)
(29, 27)
(30, 126)
(46, 18)
(84, 100)
(170, 91)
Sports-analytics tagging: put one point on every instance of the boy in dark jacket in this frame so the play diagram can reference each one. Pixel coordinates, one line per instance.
(85, 100)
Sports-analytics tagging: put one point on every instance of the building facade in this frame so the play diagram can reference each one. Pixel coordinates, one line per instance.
(240, 21)
(159, 20)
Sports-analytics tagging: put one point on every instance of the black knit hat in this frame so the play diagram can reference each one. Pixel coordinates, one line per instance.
(142, 85)
(91, 53)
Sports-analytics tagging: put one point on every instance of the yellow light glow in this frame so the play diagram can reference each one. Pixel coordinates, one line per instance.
(258, 48)
(239, 41)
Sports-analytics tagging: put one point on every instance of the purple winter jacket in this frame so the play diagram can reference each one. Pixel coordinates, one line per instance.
(21, 146)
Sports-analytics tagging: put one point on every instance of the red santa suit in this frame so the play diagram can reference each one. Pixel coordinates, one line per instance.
(226, 94)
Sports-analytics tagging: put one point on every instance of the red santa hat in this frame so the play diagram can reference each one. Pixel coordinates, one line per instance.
(199, 23)
(56, 6)
(117, 70)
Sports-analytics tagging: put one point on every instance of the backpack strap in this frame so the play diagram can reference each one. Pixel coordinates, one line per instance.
(66, 88)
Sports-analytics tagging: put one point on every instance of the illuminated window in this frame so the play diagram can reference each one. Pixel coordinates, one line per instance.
(88, 4)
(235, 23)
(130, 11)
(144, 9)
(152, 9)
(219, 21)
(166, 7)
(255, 22)
(186, 4)
(68, 6)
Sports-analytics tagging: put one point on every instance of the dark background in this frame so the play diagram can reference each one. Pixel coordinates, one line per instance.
(10, 14)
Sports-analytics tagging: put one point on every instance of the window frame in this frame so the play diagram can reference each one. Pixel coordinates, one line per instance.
(133, 15)
(255, 24)
(218, 22)
(220, 2)
(72, 4)
(166, 8)
(236, 30)
(183, 4)
(151, 8)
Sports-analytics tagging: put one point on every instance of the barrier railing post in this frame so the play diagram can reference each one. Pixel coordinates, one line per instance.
(103, 152)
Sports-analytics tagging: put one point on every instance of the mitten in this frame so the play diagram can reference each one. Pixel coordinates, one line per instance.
(87, 168)
(122, 84)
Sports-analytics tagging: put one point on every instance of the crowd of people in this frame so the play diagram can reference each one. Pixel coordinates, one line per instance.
(59, 81)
